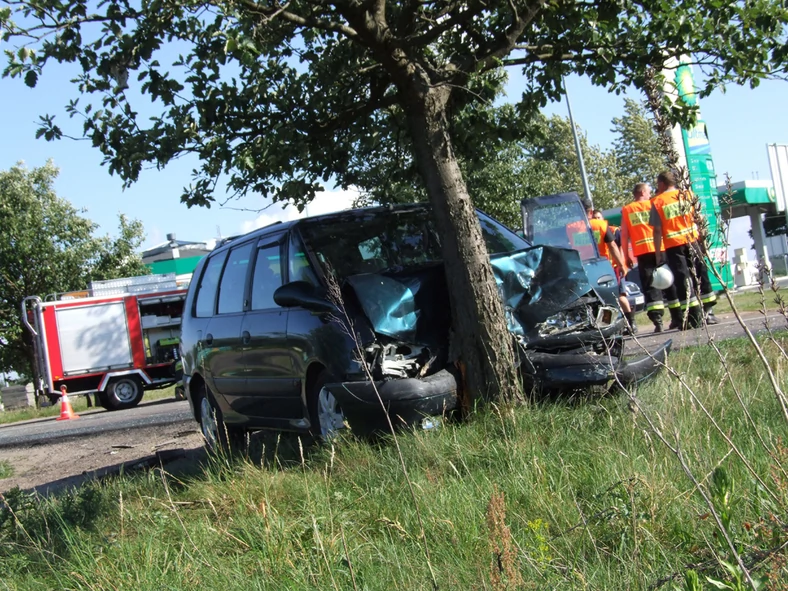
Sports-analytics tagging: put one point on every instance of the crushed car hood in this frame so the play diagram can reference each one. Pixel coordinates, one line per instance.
(534, 284)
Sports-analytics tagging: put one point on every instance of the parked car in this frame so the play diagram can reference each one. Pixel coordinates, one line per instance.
(265, 344)
(635, 297)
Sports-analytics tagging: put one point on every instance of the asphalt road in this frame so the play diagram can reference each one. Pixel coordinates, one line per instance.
(727, 328)
(165, 412)
(157, 412)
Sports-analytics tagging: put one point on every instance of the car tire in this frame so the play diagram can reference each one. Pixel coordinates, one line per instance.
(325, 415)
(219, 437)
(122, 392)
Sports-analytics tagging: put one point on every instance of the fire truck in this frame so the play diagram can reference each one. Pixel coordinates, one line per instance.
(114, 340)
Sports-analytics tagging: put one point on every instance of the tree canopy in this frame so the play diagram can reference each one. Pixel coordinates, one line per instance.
(278, 98)
(283, 96)
(46, 247)
(637, 146)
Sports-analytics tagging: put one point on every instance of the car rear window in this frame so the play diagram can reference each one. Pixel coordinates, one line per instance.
(205, 302)
(231, 289)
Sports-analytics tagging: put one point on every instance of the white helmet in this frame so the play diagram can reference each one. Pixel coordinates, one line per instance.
(662, 277)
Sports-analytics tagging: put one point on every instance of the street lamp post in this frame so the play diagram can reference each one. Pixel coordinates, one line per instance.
(583, 175)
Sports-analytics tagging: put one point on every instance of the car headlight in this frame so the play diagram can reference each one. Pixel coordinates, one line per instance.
(631, 288)
(565, 321)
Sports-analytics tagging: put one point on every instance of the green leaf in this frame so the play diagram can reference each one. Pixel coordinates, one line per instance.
(31, 78)
(718, 584)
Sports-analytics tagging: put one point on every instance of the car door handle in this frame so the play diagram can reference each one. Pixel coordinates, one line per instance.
(604, 279)
(246, 338)
(208, 340)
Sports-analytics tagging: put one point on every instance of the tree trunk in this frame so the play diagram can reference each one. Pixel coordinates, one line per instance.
(480, 340)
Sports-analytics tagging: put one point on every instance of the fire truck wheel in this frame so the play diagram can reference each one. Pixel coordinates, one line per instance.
(123, 392)
(219, 437)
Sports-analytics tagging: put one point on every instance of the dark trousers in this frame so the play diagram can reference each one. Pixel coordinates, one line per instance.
(656, 299)
(690, 276)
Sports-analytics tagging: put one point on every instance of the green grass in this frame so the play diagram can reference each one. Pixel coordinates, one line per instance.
(6, 469)
(571, 493)
(749, 301)
(78, 403)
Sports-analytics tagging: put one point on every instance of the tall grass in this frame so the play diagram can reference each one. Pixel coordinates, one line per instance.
(563, 494)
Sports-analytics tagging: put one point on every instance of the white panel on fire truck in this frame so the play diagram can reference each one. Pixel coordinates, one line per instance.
(94, 337)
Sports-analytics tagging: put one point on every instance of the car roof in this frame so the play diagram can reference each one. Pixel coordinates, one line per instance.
(347, 215)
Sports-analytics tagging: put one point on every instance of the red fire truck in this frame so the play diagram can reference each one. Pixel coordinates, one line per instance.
(115, 339)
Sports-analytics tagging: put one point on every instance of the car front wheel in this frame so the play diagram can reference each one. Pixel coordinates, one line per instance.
(325, 413)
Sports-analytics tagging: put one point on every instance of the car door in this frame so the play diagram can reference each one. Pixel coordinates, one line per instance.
(197, 354)
(225, 363)
(313, 337)
(560, 220)
(272, 389)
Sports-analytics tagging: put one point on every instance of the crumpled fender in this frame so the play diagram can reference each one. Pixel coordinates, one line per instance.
(634, 372)
(579, 370)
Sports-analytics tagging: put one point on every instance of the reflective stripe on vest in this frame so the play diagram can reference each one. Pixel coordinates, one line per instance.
(641, 234)
(676, 214)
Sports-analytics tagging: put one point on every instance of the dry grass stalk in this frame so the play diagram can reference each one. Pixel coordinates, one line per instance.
(504, 574)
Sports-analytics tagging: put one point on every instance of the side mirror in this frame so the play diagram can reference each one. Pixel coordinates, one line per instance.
(304, 295)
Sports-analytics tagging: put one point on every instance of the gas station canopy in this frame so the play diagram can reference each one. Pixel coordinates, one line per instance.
(742, 197)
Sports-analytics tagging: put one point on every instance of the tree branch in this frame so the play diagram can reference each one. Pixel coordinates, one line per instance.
(281, 12)
(490, 57)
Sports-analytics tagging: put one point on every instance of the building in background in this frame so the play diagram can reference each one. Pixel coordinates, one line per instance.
(176, 256)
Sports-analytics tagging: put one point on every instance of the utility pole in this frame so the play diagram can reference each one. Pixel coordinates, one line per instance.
(583, 175)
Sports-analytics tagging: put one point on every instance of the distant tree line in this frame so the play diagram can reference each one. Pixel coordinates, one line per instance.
(48, 247)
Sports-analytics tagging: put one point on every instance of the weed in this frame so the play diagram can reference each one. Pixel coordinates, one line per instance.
(6, 469)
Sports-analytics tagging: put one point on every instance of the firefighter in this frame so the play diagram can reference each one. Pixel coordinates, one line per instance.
(606, 243)
(639, 235)
(672, 217)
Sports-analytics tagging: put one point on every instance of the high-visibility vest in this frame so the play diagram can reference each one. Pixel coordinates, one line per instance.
(677, 216)
(641, 235)
(580, 239)
(599, 230)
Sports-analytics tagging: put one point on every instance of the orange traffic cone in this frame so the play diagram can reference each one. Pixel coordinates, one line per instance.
(66, 412)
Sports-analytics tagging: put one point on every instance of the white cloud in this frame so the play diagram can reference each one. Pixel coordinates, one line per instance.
(324, 202)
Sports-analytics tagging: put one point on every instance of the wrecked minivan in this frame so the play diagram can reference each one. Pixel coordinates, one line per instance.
(343, 319)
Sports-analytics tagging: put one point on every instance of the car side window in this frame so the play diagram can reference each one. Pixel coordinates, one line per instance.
(231, 289)
(267, 276)
(298, 263)
(206, 291)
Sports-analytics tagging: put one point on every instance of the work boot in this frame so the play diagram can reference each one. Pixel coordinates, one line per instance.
(695, 317)
(657, 326)
(711, 319)
(676, 319)
(632, 328)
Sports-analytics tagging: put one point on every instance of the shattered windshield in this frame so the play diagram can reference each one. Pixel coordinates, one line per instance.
(375, 241)
(558, 222)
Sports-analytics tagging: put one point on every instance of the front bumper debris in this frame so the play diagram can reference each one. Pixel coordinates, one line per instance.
(578, 370)
(408, 401)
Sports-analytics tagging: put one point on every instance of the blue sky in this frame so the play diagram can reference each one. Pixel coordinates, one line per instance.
(740, 122)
